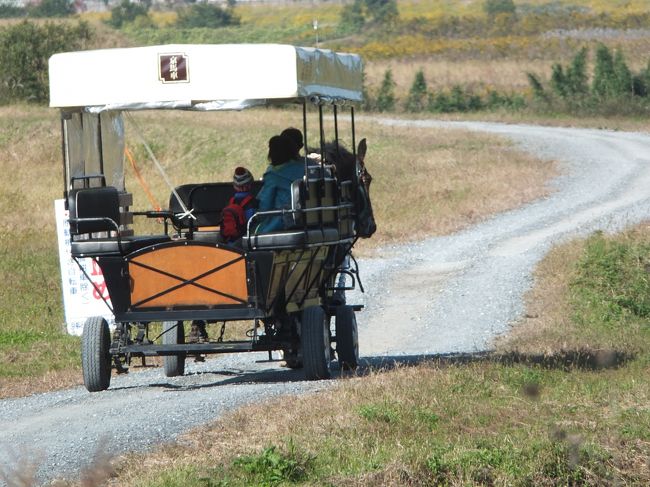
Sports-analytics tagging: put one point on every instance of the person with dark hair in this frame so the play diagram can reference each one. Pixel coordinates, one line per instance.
(295, 135)
(275, 194)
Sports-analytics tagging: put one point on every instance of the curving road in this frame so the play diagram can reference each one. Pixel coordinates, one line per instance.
(447, 294)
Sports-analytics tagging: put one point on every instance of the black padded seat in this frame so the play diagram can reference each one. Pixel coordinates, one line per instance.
(290, 239)
(108, 246)
(208, 236)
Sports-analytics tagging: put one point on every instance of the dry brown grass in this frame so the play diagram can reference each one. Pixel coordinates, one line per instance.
(503, 75)
(478, 75)
(547, 327)
(50, 381)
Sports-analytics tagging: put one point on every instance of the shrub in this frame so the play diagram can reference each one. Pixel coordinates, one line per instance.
(204, 14)
(623, 85)
(8, 11)
(127, 12)
(417, 94)
(386, 94)
(537, 87)
(641, 82)
(24, 52)
(492, 8)
(52, 8)
(382, 11)
(352, 17)
(603, 84)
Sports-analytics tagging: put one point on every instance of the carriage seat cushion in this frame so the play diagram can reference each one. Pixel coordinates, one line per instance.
(109, 246)
(290, 238)
(206, 200)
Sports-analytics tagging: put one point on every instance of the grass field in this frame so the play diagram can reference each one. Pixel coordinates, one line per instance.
(563, 402)
(451, 179)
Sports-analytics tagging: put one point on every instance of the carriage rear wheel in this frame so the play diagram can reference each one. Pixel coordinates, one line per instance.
(347, 338)
(95, 356)
(315, 338)
(173, 334)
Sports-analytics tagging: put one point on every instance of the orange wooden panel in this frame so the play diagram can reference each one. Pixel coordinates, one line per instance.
(187, 262)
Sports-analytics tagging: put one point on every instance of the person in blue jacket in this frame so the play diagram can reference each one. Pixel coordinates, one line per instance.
(276, 188)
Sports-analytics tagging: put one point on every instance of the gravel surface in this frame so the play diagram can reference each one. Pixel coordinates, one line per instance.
(441, 295)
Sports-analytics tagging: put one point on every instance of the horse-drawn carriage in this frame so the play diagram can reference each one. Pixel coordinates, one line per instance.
(183, 278)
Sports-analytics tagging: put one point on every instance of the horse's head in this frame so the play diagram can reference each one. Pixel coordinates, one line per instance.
(364, 176)
(366, 225)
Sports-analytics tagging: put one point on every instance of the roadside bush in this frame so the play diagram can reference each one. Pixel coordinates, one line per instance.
(386, 94)
(127, 12)
(458, 100)
(493, 8)
(52, 8)
(604, 83)
(204, 14)
(614, 88)
(24, 52)
(352, 17)
(8, 11)
(418, 94)
(382, 11)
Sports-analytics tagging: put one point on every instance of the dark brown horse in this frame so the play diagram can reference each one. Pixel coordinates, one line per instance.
(351, 168)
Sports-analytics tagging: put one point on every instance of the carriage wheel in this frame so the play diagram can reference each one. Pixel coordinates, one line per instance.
(173, 334)
(292, 358)
(347, 338)
(315, 338)
(95, 356)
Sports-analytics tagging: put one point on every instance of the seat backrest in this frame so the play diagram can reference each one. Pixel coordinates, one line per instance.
(206, 200)
(322, 192)
(346, 215)
(103, 202)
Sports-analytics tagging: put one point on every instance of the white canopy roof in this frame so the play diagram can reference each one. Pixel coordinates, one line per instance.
(202, 77)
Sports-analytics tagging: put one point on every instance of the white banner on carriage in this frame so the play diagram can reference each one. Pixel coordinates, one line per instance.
(81, 299)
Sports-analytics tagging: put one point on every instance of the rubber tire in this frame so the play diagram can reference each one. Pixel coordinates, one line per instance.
(347, 338)
(315, 338)
(95, 356)
(173, 365)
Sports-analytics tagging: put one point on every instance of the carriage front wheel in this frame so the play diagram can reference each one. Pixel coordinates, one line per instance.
(95, 356)
(347, 338)
(315, 338)
(173, 334)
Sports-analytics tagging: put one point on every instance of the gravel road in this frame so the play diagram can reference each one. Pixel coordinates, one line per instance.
(442, 295)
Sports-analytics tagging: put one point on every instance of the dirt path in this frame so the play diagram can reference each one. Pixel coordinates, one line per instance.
(448, 294)
(455, 293)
